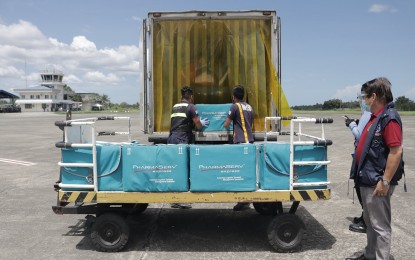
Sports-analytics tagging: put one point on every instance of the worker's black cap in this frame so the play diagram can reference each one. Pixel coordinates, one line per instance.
(186, 89)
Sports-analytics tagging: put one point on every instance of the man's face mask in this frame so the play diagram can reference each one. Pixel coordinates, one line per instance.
(362, 102)
(367, 101)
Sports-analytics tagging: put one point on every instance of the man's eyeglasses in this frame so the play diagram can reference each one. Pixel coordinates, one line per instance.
(364, 95)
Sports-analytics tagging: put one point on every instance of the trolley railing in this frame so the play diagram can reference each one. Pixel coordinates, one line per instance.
(311, 140)
(81, 133)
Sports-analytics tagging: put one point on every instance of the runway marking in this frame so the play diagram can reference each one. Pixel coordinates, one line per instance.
(17, 162)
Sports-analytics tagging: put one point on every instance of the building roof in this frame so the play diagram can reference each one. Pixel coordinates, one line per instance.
(36, 88)
(5, 94)
(44, 101)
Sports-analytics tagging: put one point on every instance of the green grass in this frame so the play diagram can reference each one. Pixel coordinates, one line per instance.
(104, 112)
(341, 112)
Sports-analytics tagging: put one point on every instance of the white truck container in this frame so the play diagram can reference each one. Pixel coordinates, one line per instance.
(211, 51)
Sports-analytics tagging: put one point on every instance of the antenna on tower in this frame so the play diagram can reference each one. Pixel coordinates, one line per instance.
(25, 72)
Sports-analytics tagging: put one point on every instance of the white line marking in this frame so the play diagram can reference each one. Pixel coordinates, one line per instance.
(17, 162)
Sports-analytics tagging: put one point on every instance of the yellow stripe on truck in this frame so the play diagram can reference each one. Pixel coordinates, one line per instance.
(178, 115)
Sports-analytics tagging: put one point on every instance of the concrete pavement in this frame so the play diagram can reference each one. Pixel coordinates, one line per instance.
(30, 230)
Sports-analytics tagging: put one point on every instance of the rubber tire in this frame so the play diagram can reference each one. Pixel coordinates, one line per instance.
(138, 208)
(286, 232)
(266, 208)
(110, 232)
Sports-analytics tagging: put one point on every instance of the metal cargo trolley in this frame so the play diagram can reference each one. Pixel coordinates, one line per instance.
(96, 178)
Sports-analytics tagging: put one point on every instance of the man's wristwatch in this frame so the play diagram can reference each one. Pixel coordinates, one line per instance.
(385, 182)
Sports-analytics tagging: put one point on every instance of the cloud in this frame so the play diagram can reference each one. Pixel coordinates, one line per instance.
(33, 78)
(348, 93)
(82, 43)
(379, 8)
(10, 72)
(70, 79)
(85, 66)
(410, 93)
(56, 43)
(97, 76)
(21, 35)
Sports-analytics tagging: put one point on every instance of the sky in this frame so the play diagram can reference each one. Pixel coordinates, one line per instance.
(329, 47)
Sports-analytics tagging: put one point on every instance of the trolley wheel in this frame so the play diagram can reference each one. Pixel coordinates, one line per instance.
(267, 208)
(89, 222)
(285, 232)
(110, 233)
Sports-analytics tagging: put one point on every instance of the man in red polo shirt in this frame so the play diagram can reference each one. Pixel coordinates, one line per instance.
(378, 166)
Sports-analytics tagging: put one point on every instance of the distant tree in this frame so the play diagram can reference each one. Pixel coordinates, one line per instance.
(351, 104)
(76, 97)
(103, 100)
(404, 104)
(316, 106)
(124, 105)
(68, 88)
(68, 91)
(332, 104)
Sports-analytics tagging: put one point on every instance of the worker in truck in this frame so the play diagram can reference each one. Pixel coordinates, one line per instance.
(184, 118)
(242, 116)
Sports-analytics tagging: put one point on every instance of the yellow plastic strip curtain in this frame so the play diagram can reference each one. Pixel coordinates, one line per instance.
(212, 56)
(278, 101)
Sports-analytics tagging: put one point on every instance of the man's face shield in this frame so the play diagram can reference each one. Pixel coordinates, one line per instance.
(361, 99)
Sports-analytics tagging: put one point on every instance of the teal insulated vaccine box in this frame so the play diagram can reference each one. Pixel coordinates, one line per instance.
(109, 167)
(155, 168)
(274, 165)
(217, 114)
(222, 168)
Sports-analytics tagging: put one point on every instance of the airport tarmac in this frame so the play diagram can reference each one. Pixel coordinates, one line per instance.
(30, 230)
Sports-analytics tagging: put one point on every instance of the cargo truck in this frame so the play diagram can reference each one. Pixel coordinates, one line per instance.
(211, 51)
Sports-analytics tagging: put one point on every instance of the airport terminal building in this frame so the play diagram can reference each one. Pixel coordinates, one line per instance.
(50, 95)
